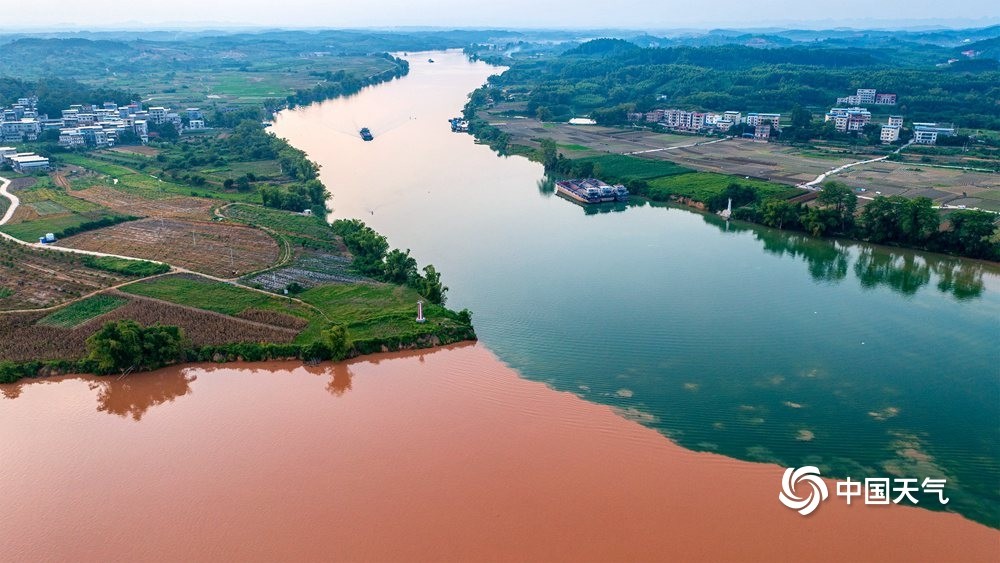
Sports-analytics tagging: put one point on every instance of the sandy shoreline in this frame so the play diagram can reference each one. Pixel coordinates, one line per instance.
(432, 455)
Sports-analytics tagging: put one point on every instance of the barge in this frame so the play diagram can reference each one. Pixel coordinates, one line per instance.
(591, 190)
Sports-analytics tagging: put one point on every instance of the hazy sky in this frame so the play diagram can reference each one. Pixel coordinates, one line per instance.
(640, 14)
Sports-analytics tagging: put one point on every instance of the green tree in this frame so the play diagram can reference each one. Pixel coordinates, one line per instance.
(780, 214)
(918, 220)
(399, 267)
(117, 346)
(879, 220)
(549, 153)
(817, 221)
(125, 345)
(842, 199)
(430, 286)
(974, 233)
(338, 341)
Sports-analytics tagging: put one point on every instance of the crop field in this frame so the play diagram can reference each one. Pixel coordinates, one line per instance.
(309, 269)
(28, 336)
(121, 201)
(584, 140)
(628, 168)
(80, 312)
(137, 149)
(218, 249)
(224, 298)
(767, 161)
(301, 230)
(943, 185)
(33, 279)
(31, 230)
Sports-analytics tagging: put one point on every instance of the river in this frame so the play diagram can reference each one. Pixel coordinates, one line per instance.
(751, 342)
(618, 327)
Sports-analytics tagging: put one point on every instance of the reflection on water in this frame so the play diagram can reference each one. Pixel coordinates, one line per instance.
(120, 396)
(340, 380)
(901, 270)
(752, 342)
(432, 455)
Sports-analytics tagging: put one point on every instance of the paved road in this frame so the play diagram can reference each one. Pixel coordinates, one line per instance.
(698, 144)
(14, 201)
(822, 177)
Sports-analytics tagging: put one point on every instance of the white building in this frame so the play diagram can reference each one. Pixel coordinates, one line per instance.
(849, 119)
(889, 134)
(158, 115)
(756, 119)
(896, 120)
(28, 163)
(867, 95)
(928, 133)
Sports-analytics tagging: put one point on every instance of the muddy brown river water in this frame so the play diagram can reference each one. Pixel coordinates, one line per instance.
(440, 455)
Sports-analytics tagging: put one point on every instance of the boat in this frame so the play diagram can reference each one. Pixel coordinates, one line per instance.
(591, 190)
(430, 60)
(459, 124)
(366, 134)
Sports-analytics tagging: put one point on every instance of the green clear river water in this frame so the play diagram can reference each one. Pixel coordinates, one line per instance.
(751, 342)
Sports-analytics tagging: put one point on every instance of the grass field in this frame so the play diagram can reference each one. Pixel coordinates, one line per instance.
(376, 310)
(80, 312)
(368, 310)
(702, 186)
(148, 185)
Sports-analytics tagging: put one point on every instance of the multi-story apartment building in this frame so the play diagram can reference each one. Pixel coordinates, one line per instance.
(889, 134)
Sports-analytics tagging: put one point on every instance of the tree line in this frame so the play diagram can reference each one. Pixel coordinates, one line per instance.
(895, 220)
(373, 258)
(608, 78)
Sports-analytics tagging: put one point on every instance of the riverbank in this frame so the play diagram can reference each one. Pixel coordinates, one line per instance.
(274, 281)
(804, 207)
(444, 466)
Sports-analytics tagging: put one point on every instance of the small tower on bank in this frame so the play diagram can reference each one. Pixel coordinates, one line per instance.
(420, 312)
(725, 213)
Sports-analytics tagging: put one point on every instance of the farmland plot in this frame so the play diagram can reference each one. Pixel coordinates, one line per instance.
(32, 279)
(217, 249)
(27, 336)
(132, 204)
